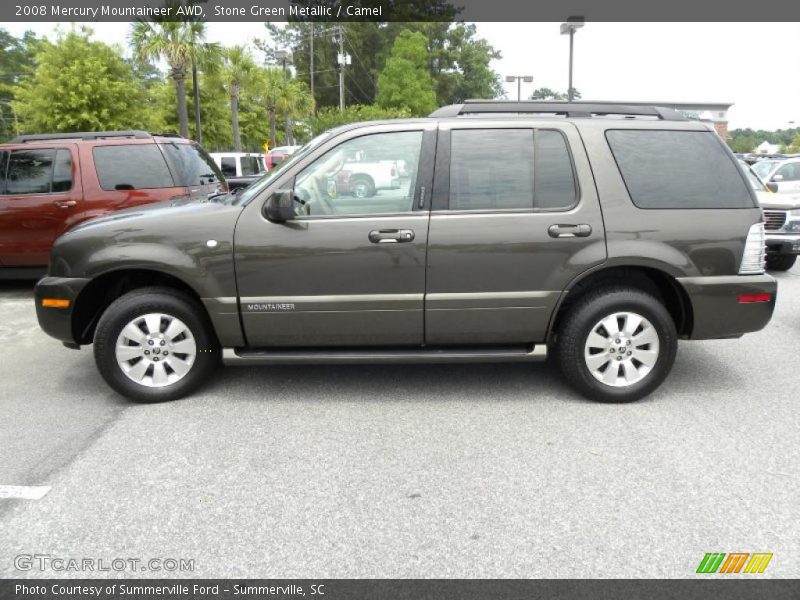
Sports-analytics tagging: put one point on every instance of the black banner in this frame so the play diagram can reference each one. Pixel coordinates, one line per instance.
(396, 10)
(399, 589)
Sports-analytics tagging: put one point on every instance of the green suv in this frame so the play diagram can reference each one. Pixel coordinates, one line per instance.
(598, 232)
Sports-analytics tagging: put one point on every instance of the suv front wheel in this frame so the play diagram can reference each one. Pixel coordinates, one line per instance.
(616, 344)
(154, 344)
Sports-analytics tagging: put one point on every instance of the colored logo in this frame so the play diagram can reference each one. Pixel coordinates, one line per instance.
(735, 562)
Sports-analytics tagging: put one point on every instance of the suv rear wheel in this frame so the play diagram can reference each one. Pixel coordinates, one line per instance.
(780, 262)
(616, 344)
(153, 345)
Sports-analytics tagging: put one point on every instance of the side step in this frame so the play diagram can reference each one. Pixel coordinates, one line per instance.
(247, 356)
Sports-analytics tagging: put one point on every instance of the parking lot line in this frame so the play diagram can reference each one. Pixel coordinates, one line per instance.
(23, 492)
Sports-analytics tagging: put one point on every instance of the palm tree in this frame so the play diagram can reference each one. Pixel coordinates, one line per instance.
(271, 81)
(294, 101)
(237, 70)
(178, 43)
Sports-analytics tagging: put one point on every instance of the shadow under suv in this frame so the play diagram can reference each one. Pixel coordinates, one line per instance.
(600, 233)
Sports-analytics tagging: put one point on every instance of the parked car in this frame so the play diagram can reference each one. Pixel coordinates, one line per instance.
(784, 173)
(781, 222)
(240, 168)
(363, 179)
(600, 240)
(51, 183)
(279, 154)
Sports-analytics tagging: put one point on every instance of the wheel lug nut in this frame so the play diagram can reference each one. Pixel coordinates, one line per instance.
(617, 341)
(147, 352)
(150, 342)
(612, 351)
(155, 359)
(628, 343)
(163, 342)
(618, 358)
(167, 353)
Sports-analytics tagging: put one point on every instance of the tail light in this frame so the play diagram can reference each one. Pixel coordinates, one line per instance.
(755, 251)
(394, 172)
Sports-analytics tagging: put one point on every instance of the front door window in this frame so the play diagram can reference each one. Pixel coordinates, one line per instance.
(368, 175)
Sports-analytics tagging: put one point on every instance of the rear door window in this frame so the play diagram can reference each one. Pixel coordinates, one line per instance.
(131, 167)
(491, 169)
(510, 169)
(62, 171)
(30, 172)
(192, 165)
(553, 178)
(678, 169)
(3, 165)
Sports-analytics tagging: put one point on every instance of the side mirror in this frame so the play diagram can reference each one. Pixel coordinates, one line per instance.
(280, 206)
(772, 187)
(777, 178)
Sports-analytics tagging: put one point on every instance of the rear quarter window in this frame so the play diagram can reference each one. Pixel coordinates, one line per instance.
(193, 166)
(678, 170)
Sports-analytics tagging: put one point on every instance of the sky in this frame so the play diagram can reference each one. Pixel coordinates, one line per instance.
(755, 66)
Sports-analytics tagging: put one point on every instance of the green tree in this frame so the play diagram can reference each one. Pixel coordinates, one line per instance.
(458, 60)
(330, 117)
(271, 82)
(405, 81)
(236, 71)
(294, 102)
(178, 43)
(546, 93)
(16, 61)
(79, 85)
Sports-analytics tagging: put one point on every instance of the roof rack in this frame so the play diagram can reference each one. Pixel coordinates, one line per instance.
(80, 135)
(567, 109)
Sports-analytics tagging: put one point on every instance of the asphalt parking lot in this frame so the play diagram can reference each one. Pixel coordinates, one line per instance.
(405, 471)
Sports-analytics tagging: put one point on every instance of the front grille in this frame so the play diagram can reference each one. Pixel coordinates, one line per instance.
(774, 219)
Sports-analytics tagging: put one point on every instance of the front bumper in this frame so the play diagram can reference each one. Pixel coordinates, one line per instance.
(716, 308)
(783, 244)
(57, 322)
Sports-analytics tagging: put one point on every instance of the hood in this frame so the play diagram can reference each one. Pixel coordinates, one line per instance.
(768, 201)
(174, 210)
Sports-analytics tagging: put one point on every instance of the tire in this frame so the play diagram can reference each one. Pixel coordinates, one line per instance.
(363, 187)
(780, 262)
(183, 327)
(575, 351)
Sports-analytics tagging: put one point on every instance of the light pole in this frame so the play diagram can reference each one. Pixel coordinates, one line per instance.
(519, 79)
(569, 28)
(284, 57)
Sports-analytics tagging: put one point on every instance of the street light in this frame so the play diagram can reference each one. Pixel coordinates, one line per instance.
(569, 28)
(519, 79)
(284, 57)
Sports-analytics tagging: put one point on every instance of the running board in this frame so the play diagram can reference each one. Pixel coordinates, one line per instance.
(246, 356)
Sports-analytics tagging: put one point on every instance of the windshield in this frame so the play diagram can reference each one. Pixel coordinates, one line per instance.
(763, 167)
(256, 187)
(755, 182)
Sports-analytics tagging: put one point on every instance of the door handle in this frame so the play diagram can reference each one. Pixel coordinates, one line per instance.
(558, 231)
(65, 203)
(391, 236)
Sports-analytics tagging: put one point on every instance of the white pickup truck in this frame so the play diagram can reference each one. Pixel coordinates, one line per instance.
(364, 179)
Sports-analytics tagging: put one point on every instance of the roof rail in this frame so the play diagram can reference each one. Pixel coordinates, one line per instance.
(567, 109)
(80, 135)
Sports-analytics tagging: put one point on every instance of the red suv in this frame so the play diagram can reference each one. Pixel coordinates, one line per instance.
(50, 183)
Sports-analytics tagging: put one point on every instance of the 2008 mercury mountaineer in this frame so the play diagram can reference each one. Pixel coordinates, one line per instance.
(602, 232)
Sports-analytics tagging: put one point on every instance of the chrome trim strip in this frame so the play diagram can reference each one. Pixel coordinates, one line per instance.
(230, 356)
